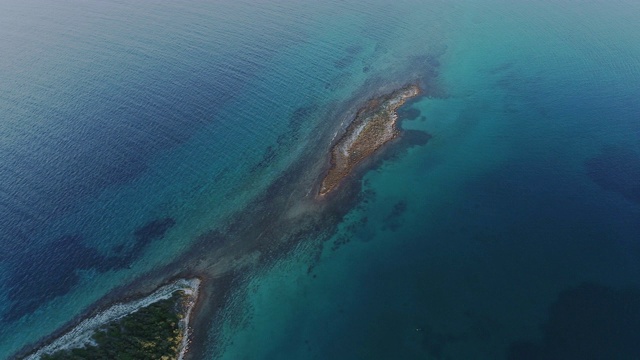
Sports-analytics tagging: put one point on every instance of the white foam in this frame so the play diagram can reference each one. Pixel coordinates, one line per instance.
(81, 335)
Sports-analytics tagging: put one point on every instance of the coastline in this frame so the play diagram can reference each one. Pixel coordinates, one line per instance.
(374, 125)
(267, 235)
(80, 335)
(185, 324)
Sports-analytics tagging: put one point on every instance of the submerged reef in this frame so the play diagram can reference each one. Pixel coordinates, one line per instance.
(221, 265)
(375, 124)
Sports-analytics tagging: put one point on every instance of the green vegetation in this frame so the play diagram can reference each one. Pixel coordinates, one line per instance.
(150, 333)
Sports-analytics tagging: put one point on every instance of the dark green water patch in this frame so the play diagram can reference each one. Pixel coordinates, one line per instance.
(349, 58)
(153, 230)
(393, 221)
(408, 113)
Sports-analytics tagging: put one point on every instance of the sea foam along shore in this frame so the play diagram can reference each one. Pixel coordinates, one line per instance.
(192, 293)
(81, 334)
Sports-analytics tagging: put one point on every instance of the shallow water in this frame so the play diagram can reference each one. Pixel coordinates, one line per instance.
(132, 129)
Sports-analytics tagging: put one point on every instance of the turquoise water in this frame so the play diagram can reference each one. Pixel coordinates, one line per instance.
(130, 129)
(474, 243)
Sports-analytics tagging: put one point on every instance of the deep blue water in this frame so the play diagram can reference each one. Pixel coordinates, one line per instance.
(129, 129)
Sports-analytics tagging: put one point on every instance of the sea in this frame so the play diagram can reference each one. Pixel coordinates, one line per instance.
(131, 129)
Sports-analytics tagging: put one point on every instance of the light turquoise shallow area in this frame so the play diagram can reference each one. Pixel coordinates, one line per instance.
(115, 114)
(500, 216)
(118, 114)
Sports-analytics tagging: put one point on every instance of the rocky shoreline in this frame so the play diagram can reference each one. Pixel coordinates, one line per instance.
(81, 335)
(375, 124)
(219, 264)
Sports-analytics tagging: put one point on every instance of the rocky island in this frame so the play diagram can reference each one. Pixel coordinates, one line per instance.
(375, 124)
(156, 324)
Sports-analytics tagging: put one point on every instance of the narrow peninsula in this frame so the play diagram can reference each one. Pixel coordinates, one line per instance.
(157, 325)
(375, 124)
(153, 327)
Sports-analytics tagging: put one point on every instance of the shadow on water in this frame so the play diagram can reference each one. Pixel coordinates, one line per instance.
(588, 322)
